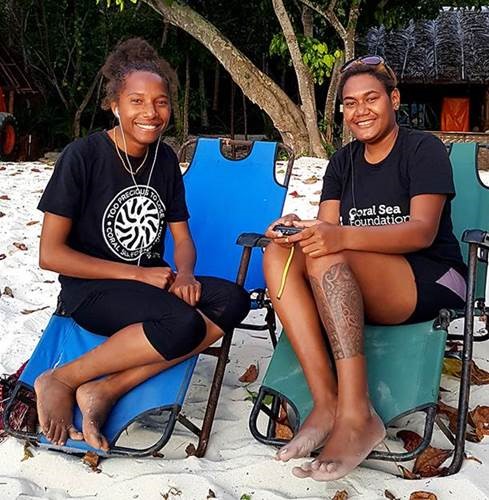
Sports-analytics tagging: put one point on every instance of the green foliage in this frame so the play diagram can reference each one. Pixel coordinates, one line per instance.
(315, 54)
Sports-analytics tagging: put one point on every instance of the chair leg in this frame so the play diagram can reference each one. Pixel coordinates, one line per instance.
(271, 324)
(214, 395)
(464, 393)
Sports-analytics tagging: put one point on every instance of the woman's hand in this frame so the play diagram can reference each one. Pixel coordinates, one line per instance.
(161, 277)
(277, 237)
(187, 288)
(318, 238)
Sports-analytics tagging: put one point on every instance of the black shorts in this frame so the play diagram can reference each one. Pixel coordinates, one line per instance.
(173, 327)
(438, 286)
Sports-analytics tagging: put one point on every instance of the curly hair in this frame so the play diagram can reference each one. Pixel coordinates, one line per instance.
(381, 72)
(134, 54)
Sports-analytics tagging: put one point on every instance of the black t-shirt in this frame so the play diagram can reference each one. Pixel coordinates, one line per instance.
(380, 194)
(112, 218)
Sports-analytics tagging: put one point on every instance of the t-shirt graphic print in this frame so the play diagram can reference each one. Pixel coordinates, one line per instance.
(133, 221)
(376, 215)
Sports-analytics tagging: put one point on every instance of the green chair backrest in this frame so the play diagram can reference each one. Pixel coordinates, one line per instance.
(470, 207)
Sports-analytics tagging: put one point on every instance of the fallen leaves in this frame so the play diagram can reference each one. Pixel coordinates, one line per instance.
(422, 495)
(20, 246)
(211, 494)
(4, 197)
(27, 452)
(250, 375)
(453, 367)
(340, 495)
(282, 427)
(390, 495)
(2, 256)
(173, 491)
(428, 463)
(311, 180)
(190, 450)
(92, 460)
(2, 214)
(478, 419)
(32, 222)
(30, 311)
(295, 194)
(8, 292)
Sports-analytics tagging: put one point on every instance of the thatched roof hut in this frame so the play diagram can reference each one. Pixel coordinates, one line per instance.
(444, 57)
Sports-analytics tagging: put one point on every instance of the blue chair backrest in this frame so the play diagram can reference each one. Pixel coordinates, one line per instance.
(470, 207)
(228, 197)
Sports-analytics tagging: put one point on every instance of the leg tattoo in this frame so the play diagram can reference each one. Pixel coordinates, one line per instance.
(340, 306)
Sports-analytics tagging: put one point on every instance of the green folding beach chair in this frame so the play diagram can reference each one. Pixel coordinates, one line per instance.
(404, 362)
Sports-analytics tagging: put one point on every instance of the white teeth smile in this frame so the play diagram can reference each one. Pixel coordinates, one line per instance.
(365, 123)
(146, 127)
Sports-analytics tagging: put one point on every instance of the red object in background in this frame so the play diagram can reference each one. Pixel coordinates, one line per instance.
(455, 114)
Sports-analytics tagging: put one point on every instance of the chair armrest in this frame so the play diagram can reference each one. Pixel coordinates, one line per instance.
(252, 240)
(476, 236)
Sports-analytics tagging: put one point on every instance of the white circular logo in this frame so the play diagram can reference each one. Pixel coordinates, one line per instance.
(133, 221)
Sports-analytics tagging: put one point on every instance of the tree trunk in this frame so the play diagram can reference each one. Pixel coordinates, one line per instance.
(304, 79)
(307, 21)
(330, 104)
(204, 117)
(174, 84)
(215, 97)
(245, 118)
(286, 116)
(84, 104)
(231, 109)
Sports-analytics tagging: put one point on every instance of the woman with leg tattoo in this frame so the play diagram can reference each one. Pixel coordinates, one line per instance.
(107, 206)
(381, 249)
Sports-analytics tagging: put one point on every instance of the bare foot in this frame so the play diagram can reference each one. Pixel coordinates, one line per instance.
(55, 401)
(350, 442)
(311, 435)
(95, 402)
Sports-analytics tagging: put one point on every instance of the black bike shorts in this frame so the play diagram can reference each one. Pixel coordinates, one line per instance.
(173, 327)
(438, 286)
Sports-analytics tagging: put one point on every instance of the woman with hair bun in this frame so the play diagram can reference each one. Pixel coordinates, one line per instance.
(381, 248)
(106, 207)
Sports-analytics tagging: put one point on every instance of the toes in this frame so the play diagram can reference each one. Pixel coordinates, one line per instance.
(62, 436)
(74, 433)
(300, 472)
(282, 454)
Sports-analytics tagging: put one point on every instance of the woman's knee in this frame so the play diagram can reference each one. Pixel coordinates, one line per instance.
(179, 338)
(317, 266)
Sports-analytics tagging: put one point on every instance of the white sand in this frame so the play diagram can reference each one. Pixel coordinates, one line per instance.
(235, 463)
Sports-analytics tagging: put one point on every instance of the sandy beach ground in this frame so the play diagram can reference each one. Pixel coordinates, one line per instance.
(236, 466)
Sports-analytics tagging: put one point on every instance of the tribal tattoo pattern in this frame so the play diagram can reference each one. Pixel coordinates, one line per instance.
(340, 307)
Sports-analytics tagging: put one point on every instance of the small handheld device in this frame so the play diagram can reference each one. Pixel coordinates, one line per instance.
(287, 230)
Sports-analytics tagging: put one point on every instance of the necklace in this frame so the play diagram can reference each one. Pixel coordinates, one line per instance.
(129, 168)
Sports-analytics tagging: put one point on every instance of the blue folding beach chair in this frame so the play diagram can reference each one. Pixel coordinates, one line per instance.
(404, 362)
(225, 197)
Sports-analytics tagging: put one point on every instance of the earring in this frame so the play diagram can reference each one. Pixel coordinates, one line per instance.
(116, 113)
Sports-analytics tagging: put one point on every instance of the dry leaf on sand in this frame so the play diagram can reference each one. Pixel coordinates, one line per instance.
(190, 450)
(282, 428)
(311, 180)
(92, 460)
(428, 463)
(453, 367)
(20, 246)
(479, 419)
(422, 495)
(340, 495)
(452, 415)
(250, 375)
